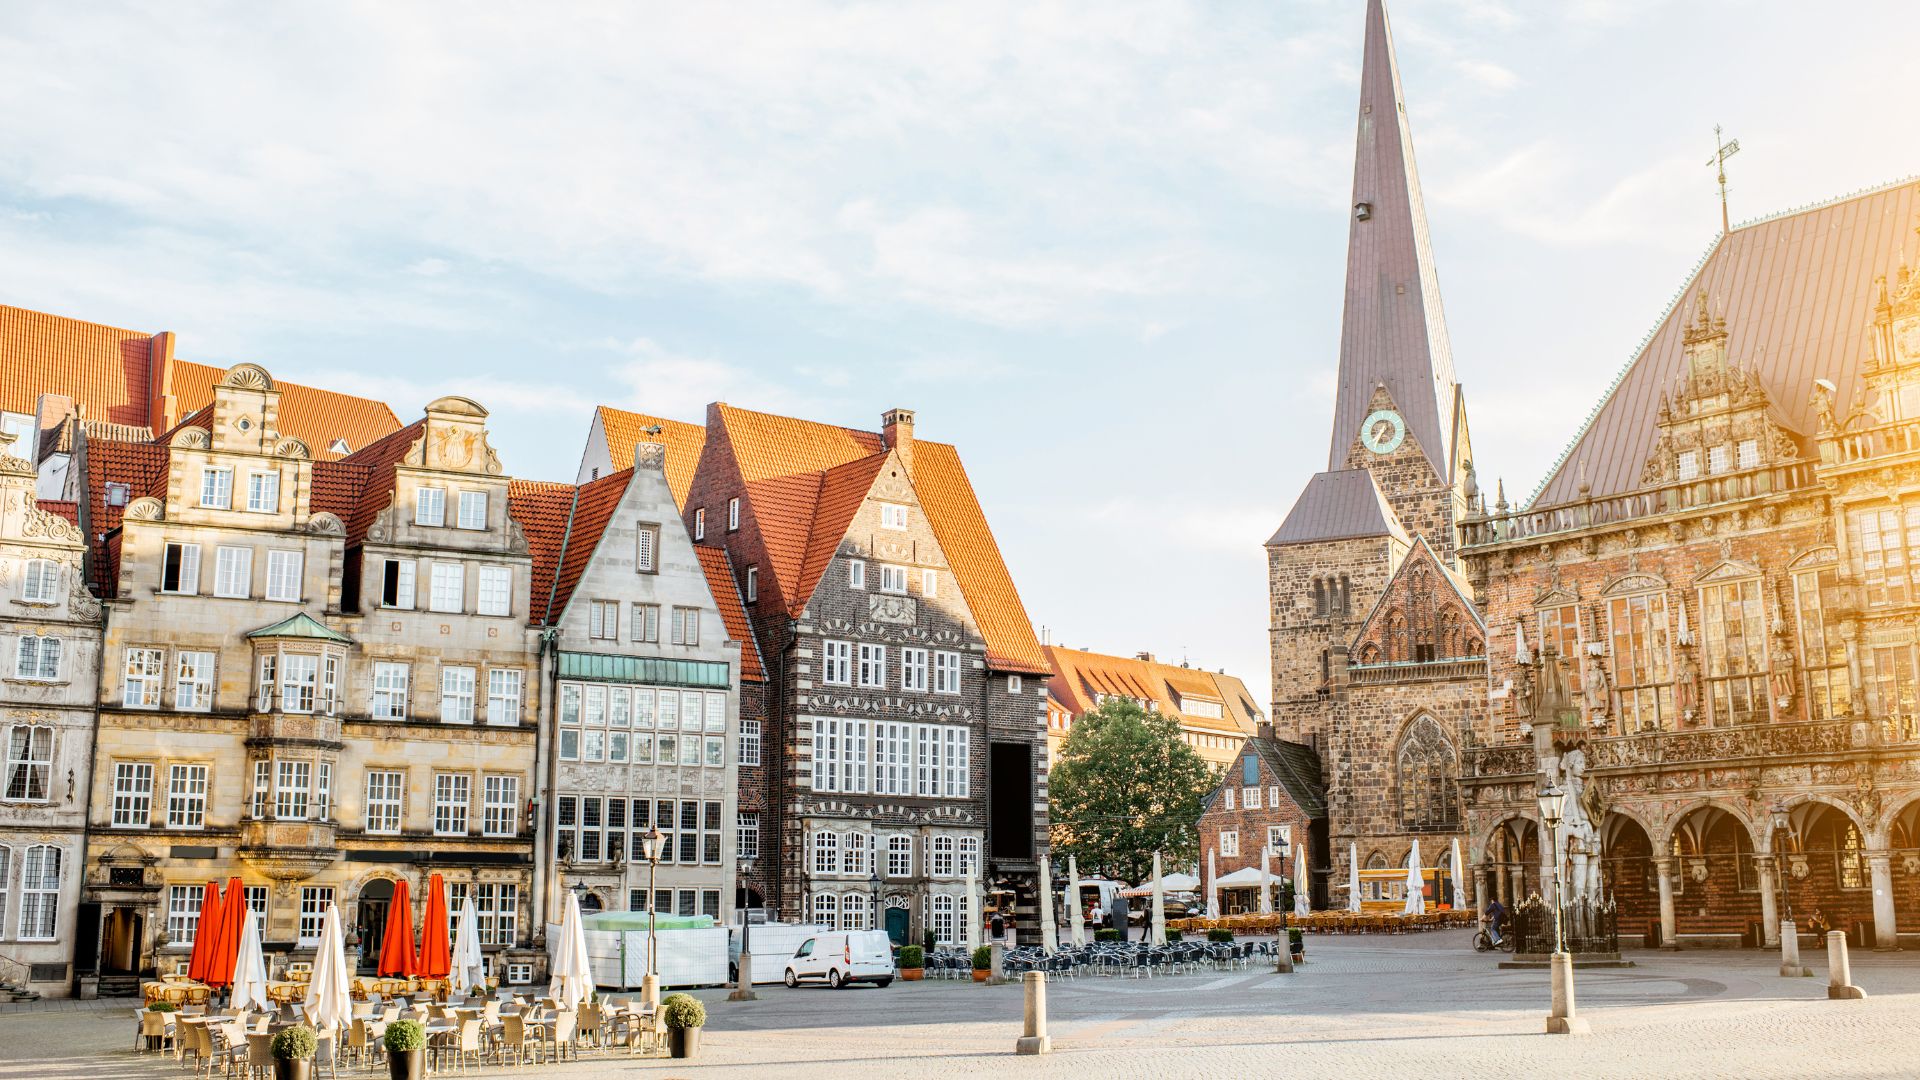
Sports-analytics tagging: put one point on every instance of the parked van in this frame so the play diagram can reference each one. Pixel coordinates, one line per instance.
(842, 958)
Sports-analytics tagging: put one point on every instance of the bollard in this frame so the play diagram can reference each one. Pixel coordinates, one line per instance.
(996, 967)
(1283, 960)
(1563, 1020)
(743, 987)
(650, 990)
(1036, 1040)
(1840, 970)
(1790, 965)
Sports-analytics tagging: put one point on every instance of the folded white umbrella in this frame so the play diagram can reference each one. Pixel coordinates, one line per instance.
(1049, 935)
(1079, 924)
(1266, 879)
(572, 981)
(971, 914)
(1459, 881)
(329, 994)
(1353, 877)
(467, 971)
(1158, 926)
(250, 969)
(1416, 888)
(1300, 904)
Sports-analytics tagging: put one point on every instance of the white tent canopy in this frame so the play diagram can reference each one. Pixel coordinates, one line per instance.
(1248, 877)
(1172, 883)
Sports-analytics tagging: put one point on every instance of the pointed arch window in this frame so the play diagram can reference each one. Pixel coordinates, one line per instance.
(1426, 777)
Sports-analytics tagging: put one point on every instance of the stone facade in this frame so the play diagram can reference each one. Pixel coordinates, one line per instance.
(50, 629)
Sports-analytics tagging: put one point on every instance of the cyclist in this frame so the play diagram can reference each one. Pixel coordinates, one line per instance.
(1496, 914)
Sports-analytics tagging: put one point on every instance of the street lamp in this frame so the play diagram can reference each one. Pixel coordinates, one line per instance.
(1782, 823)
(650, 847)
(1563, 1019)
(1553, 805)
(873, 886)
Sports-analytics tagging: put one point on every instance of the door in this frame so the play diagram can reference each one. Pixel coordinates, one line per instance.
(897, 925)
(86, 940)
(120, 950)
(803, 959)
(371, 918)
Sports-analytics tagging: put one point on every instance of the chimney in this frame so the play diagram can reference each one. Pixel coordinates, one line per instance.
(650, 456)
(1264, 729)
(162, 409)
(1146, 656)
(896, 430)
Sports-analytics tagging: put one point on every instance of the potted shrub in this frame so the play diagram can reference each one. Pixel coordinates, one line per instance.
(982, 963)
(1108, 934)
(1219, 935)
(929, 941)
(406, 1043)
(1174, 935)
(163, 1007)
(913, 963)
(293, 1050)
(685, 1016)
(1296, 943)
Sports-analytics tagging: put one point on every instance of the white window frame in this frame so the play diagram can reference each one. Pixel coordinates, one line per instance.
(40, 582)
(430, 506)
(836, 663)
(292, 789)
(458, 684)
(37, 657)
(914, 669)
(448, 589)
(644, 623)
(314, 900)
(946, 673)
(30, 761)
(646, 549)
(1013, 684)
(187, 573)
(733, 514)
(183, 913)
(899, 856)
(186, 795)
(505, 687)
(216, 488)
(603, 620)
(929, 583)
(404, 571)
(753, 584)
(495, 591)
(452, 803)
(500, 806)
(132, 805)
(893, 516)
(143, 675)
(472, 512)
(686, 625)
(263, 492)
(193, 680)
(39, 892)
(872, 670)
(893, 579)
(392, 682)
(283, 575)
(386, 801)
(700, 524)
(856, 573)
(1230, 844)
(233, 572)
(749, 742)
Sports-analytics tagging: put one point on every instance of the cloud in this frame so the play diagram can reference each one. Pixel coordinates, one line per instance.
(1488, 74)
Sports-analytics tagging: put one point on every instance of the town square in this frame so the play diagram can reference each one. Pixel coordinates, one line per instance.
(577, 573)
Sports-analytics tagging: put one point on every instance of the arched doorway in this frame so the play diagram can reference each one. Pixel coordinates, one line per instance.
(370, 916)
(1716, 884)
(1513, 860)
(1626, 868)
(1827, 871)
(589, 902)
(1903, 844)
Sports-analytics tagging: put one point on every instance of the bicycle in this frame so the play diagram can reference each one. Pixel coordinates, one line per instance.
(1483, 942)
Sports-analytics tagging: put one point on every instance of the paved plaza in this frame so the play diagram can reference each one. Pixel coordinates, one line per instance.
(1421, 1005)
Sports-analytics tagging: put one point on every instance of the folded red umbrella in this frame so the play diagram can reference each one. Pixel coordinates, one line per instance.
(436, 951)
(233, 916)
(396, 946)
(206, 935)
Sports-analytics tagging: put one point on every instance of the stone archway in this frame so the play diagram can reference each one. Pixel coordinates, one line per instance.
(1632, 880)
(1717, 883)
(1513, 860)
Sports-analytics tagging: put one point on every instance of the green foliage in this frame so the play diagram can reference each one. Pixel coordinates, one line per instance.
(1106, 935)
(1125, 785)
(1175, 935)
(163, 1007)
(930, 941)
(1220, 935)
(1296, 940)
(684, 1011)
(912, 956)
(404, 1035)
(297, 1043)
(983, 958)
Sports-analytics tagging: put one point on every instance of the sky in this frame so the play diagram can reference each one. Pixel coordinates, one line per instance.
(1099, 247)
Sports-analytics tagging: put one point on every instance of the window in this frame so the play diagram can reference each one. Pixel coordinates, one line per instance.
(1229, 844)
(749, 742)
(893, 579)
(710, 832)
(496, 591)
(1885, 547)
(645, 626)
(145, 672)
(1823, 654)
(1013, 684)
(892, 758)
(686, 626)
(193, 681)
(232, 571)
(1719, 459)
(262, 787)
(452, 793)
(299, 679)
(430, 506)
(689, 833)
(940, 919)
(1427, 776)
(873, 665)
(216, 488)
(603, 620)
(1560, 628)
(283, 575)
(853, 911)
(826, 909)
(646, 549)
(940, 857)
(853, 859)
(256, 901)
(733, 513)
(456, 695)
(39, 892)
(290, 789)
(498, 909)
(183, 913)
(1273, 796)
(1734, 648)
(29, 765)
(186, 796)
(753, 584)
(837, 665)
(913, 669)
(1689, 464)
(263, 492)
(322, 805)
(1640, 660)
(856, 573)
(969, 857)
(1250, 798)
(40, 584)
(747, 832)
(1226, 794)
(37, 657)
(1279, 839)
(473, 510)
(503, 696)
(700, 524)
(396, 583)
(946, 673)
(180, 569)
(383, 801)
(449, 587)
(826, 852)
(893, 516)
(314, 901)
(929, 583)
(500, 814)
(899, 856)
(390, 690)
(1747, 454)
(132, 794)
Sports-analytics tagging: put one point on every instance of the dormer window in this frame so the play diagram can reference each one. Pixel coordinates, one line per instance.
(893, 516)
(118, 493)
(216, 489)
(339, 446)
(263, 492)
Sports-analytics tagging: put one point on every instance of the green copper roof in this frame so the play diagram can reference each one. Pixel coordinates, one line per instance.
(301, 625)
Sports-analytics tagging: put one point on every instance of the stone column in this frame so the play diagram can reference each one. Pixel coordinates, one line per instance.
(1669, 934)
(1480, 888)
(1886, 932)
(1769, 904)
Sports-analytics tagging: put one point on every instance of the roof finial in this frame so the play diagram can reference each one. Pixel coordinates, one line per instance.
(1721, 152)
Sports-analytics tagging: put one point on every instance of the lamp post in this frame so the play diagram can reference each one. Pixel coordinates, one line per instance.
(1562, 1020)
(873, 912)
(650, 983)
(743, 969)
(1789, 931)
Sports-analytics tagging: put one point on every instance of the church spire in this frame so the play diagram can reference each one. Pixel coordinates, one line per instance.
(1393, 332)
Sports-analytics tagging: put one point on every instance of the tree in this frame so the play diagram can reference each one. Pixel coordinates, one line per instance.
(1124, 786)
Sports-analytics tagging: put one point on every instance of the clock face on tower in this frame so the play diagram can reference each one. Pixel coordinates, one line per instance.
(1383, 431)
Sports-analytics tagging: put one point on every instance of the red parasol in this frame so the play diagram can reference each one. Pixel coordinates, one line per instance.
(396, 946)
(206, 935)
(233, 916)
(436, 954)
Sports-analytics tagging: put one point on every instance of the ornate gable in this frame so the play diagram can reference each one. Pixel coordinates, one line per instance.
(1423, 616)
(1717, 417)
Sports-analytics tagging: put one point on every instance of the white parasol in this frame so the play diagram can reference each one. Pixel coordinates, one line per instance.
(1416, 888)
(468, 971)
(1049, 937)
(329, 994)
(1078, 926)
(572, 981)
(1459, 884)
(250, 969)
(1353, 877)
(1301, 906)
(1158, 928)
(1266, 878)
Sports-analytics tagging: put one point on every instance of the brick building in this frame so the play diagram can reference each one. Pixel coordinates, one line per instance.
(1270, 796)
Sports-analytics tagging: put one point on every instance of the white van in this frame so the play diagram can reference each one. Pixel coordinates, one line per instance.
(842, 958)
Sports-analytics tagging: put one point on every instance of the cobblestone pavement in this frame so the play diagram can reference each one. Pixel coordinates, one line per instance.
(1420, 1005)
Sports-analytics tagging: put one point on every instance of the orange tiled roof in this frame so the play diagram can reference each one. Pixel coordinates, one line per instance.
(683, 442)
(593, 506)
(61, 508)
(102, 368)
(1078, 676)
(315, 417)
(140, 466)
(376, 478)
(726, 594)
(804, 481)
(541, 508)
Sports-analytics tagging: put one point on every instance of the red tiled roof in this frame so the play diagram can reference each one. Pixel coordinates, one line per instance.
(726, 594)
(843, 489)
(376, 484)
(541, 508)
(946, 494)
(1078, 675)
(61, 508)
(143, 468)
(102, 368)
(315, 417)
(683, 442)
(593, 506)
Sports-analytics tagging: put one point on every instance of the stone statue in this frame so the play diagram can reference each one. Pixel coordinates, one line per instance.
(1578, 829)
(1593, 685)
(1823, 405)
(1686, 686)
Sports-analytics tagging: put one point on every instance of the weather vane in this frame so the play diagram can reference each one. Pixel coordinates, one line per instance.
(1723, 151)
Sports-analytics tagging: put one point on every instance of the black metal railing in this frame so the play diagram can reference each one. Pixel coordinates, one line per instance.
(1586, 926)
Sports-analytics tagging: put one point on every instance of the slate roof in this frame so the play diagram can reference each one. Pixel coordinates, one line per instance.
(683, 441)
(1797, 291)
(1344, 504)
(1298, 768)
